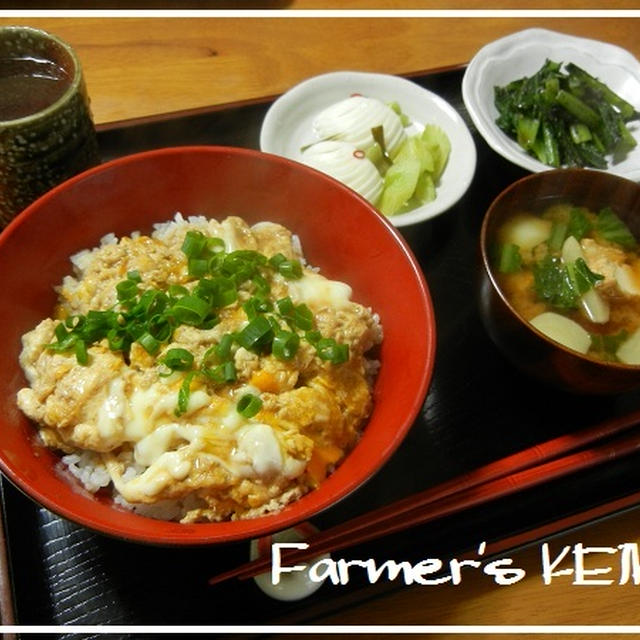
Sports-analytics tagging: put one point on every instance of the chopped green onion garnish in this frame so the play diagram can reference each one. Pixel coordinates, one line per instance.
(222, 373)
(177, 291)
(285, 306)
(215, 244)
(303, 317)
(190, 310)
(255, 334)
(150, 316)
(126, 290)
(184, 394)
(290, 269)
(178, 359)
(223, 348)
(260, 284)
(149, 343)
(285, 345)
(134, 275)
(218, 292)
(329, 349)
(160, 327)
(249, 405)
(276, 260)
(116, 340)
(257, 305)
(313, 336)
(81, 352)
(194, 243)
(198, 267)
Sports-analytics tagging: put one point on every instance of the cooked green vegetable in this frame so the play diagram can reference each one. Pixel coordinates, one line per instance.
(560, 284)
(509, 260)
(565, 118)
(611, 228)
(579, 224)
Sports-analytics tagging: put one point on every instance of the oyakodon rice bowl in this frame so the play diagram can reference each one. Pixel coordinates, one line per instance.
(202, 373)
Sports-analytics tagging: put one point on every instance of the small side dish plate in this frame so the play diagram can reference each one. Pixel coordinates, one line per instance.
(522, 54)
(288, 127)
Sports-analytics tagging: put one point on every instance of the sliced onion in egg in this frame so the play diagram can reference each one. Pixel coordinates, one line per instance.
(352, 119)
(340, 160)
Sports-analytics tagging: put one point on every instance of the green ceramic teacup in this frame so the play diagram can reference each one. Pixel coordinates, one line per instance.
(46, 129)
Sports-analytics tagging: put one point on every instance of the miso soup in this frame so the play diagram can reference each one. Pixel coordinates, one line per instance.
(574, 274)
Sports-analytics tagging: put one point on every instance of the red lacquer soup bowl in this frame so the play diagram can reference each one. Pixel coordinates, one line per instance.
(340, 233)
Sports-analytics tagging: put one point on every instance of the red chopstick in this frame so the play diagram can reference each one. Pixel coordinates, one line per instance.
(526, 469)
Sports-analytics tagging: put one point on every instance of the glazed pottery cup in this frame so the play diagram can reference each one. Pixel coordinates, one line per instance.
(46, 129)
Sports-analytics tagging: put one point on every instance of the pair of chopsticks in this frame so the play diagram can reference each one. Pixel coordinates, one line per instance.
(526, 469)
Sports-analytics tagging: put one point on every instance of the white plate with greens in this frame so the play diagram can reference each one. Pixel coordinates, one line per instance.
(288, 127)
(523, 54)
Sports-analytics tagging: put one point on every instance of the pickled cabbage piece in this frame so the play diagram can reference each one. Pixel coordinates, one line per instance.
(429, 151)
(415, 148)
(425, 188)
(400, 183)
(439, 145)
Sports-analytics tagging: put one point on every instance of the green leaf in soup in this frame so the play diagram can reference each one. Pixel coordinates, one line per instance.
(582, 277)
(579, 224)
(613, 229)
(509, 258)
(553, 284)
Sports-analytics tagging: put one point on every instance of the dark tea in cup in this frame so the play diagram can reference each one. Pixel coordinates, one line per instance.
(29, 85)
(46, 130)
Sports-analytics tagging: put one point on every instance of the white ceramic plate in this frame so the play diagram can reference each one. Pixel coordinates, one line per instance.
(522, 54)
(287, 127)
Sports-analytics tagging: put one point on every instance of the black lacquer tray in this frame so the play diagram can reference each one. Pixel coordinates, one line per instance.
(478, 409)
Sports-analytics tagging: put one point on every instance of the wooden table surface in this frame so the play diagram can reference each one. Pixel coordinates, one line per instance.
(140, 66)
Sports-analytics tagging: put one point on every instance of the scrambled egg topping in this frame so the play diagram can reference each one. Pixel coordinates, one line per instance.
(118, 408)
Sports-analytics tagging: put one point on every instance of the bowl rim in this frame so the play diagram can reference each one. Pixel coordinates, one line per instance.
(489, 270)
(179, 534)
